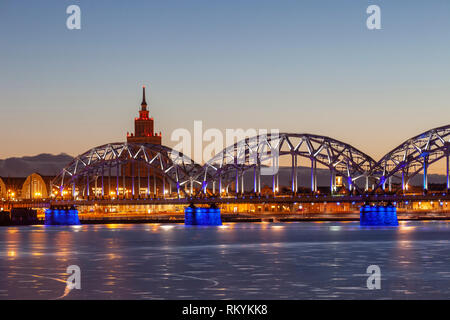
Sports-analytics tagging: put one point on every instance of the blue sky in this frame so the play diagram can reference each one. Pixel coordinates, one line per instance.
(298, 66)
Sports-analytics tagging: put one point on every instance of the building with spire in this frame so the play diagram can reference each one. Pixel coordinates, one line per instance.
(144, 132)
(144, 126)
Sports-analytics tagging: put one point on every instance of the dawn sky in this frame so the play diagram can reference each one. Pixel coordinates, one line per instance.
(297, 66)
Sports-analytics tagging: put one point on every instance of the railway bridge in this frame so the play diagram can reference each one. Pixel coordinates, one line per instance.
(142, 173)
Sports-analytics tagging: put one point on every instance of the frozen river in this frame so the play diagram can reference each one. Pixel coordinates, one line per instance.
(302, 260)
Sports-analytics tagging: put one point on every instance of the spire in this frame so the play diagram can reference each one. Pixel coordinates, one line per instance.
(143, 103)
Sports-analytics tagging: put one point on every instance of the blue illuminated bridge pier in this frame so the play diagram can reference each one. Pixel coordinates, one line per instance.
(143, 174)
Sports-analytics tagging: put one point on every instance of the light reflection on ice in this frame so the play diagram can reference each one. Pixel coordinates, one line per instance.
(248, 261)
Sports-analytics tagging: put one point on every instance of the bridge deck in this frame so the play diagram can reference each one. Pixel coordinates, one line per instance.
(231, 200)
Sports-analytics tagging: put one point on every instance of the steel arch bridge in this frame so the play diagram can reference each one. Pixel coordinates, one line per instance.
(116, 161)
(262, 155)
(412, 157)
(259, 155)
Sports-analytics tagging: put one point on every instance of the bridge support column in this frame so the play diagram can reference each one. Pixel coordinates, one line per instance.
(242, 183)
(448, 177)
(255, 186)
(237, 181)
(139, 180)
(132, 179)
(164, 187)
(124, 184)
(95, 186)
(117, 180)
(274, 185)
(148, 182)
(313, 175)
(73, 189)
(294, 174)
(332, 181)
(220, 186)
(349, 179)
(155, 191)
(390, 184)
(103, 184)
(204, 186)
(425, 174)
(259, 178)
(87, 186)
(109, 181)
(366, 188)
(278, 182)
(403, 181)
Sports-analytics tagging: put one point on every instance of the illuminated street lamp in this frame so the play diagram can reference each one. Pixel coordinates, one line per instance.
(11, 195)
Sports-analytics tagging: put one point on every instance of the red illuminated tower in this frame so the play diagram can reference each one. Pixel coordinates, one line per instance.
(143, 126)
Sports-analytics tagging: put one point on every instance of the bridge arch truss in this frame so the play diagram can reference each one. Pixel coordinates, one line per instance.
(412, 157)
(115, 163)
(262, 155)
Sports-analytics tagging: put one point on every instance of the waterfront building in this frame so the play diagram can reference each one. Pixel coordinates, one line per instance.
(34, 186)
(3, 190)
